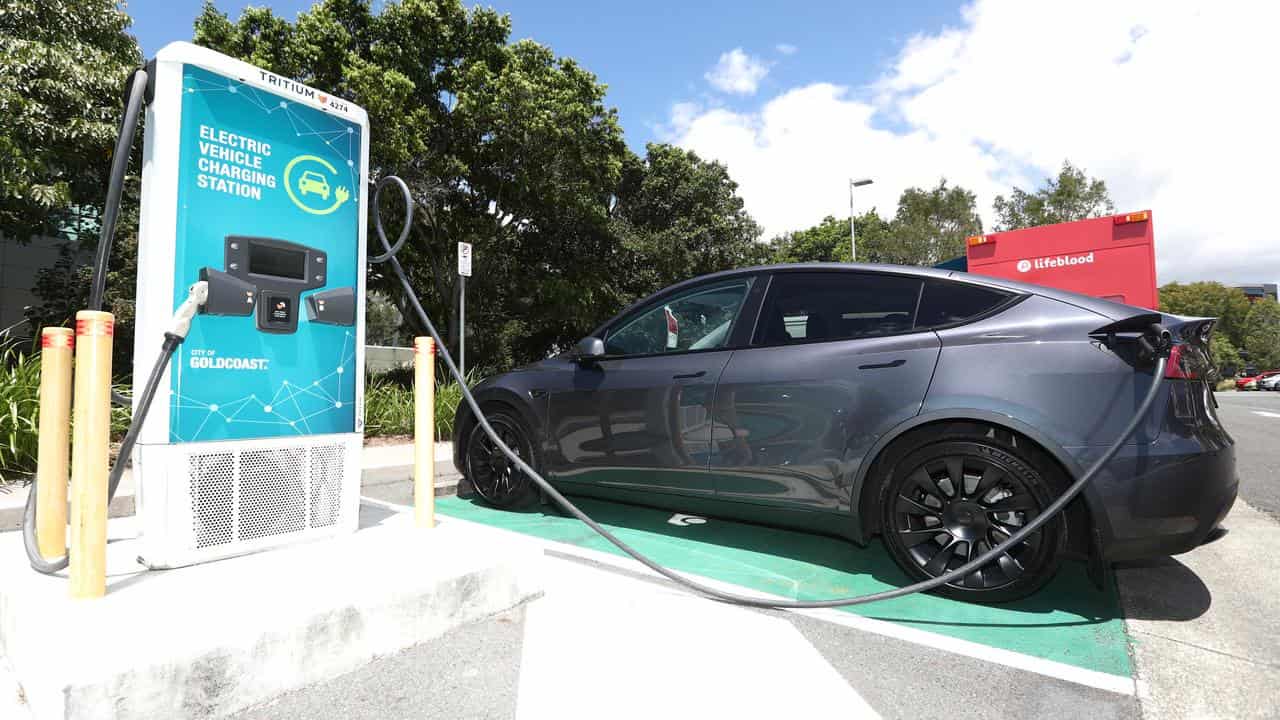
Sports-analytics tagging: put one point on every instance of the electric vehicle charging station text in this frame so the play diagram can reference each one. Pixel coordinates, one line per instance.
(254, 184)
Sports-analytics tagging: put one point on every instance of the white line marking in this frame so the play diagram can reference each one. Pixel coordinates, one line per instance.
(1049, 668)
(1264, 413)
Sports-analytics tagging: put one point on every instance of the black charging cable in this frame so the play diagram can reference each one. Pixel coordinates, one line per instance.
(1160, 341)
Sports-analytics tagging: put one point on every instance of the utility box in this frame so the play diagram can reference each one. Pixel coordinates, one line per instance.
(255, 184)
(1110, 257)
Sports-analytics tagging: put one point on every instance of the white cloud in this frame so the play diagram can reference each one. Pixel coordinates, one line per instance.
(737, 72)
(1174, 105)
(786, 48)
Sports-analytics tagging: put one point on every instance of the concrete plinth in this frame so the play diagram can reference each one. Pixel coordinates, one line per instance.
(212, 639)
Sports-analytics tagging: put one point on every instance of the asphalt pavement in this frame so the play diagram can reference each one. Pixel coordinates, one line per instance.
(1253, 419)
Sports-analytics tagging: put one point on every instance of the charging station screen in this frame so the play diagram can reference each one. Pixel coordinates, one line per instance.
(280, 263)
(269, 189)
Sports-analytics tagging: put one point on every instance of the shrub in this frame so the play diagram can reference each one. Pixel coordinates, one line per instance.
(388, 405)
(19, 410)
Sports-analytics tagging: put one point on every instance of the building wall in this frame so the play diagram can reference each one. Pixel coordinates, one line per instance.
(19, 263)
(1255, 292)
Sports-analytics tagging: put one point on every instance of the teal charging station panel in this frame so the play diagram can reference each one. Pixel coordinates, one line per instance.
(268, 193)
(257, 185)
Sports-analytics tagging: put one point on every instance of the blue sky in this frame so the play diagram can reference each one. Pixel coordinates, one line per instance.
(988, 94)
(653, 53)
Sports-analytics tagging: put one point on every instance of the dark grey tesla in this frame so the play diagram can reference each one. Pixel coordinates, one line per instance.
(940, 410)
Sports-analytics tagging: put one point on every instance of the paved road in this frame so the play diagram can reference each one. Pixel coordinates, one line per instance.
(1253, 419)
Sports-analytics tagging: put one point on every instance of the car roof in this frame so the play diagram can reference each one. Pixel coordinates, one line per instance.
(1106, 308)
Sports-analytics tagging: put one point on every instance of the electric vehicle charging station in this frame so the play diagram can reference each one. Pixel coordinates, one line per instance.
(256, 185)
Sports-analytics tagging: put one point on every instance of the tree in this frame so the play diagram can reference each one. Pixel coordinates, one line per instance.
(1262, 334)
(382, 321)
(931, 225)
(678, 216)
(828, 241)
(1209, 299)
(1224, 356)
(1070, 196)
(62, 66)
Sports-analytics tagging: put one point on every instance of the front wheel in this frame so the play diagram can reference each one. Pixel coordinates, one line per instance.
(948, 502)
(495, 478)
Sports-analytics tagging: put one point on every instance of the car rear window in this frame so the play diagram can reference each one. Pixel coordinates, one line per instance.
(947, 303)
(811, 306)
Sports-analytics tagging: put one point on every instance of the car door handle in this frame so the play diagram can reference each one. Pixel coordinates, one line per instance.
(689, 376)
(891, 364)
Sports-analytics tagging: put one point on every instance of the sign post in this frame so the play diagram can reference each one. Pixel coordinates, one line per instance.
(464, 272)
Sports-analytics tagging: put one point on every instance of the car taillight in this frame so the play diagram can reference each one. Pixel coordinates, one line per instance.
(1176, 367)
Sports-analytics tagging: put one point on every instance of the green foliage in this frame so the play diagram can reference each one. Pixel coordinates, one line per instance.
(62, 64)
(1262, 334)
(383, 322)
(19, 409)
(828, 241)
(1224, 356)
(1209, 299)
(677, 216)
(930, 226)
(1070, 196)
(388, 404)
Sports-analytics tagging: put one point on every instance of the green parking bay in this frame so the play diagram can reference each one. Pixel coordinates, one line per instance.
(1069, 621)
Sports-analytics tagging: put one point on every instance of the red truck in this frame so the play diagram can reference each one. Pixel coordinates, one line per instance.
(1111, 257)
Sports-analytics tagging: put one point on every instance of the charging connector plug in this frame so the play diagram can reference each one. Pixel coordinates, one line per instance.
(197, 295)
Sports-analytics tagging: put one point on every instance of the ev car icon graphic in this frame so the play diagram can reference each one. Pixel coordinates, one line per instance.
(313, 182)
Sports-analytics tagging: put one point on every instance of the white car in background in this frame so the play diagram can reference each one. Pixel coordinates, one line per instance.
(1270, 383)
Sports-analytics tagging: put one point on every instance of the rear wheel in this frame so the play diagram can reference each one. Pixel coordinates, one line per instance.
(495, 478)
(949, 501)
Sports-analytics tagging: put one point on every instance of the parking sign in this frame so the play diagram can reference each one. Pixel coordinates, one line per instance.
(464, 259)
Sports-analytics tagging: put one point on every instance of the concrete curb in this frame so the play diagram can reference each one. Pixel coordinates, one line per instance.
(213, 639)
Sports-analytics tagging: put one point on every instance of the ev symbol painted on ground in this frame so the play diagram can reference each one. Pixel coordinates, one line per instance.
(305, 181)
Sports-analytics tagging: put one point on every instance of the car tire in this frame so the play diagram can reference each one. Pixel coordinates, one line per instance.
(932, 524)
(495, 479)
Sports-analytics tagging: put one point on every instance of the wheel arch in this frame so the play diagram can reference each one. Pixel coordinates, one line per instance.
(866, 483)
(464, 419)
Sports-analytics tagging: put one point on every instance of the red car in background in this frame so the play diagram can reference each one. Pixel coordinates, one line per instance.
(1252, 382)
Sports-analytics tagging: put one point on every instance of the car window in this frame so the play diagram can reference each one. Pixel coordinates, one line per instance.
(699, 319)
(809, 306)
(946, 303)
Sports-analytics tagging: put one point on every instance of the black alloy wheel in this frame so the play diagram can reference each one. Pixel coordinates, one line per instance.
(949, 502)
(495, 478)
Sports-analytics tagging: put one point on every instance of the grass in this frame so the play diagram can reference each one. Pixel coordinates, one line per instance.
(19, 410)
(388, 404)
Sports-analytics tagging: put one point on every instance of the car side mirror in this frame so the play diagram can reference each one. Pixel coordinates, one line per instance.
(590, 348)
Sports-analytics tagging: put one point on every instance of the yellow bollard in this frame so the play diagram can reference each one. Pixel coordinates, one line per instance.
(424, 432)
(55, 441)
(89, 454)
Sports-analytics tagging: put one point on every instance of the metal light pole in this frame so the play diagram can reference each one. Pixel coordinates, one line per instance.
(853, 243)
